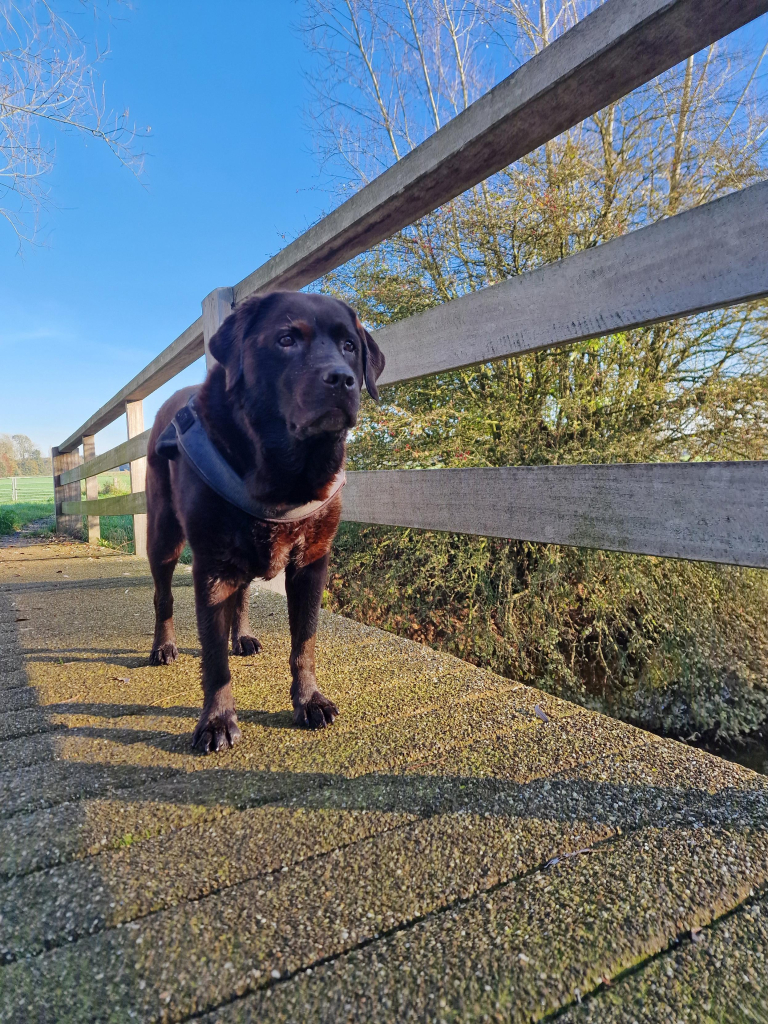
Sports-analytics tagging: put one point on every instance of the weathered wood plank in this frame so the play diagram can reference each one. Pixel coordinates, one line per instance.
(217, 306)
(134, 415)
(65, 493)
(707, 511)
(91, 489)
(634, 280)
(714, 512)
(618, 47)
(119, 505)
(637, 279)
(180, 354)
(128, 451)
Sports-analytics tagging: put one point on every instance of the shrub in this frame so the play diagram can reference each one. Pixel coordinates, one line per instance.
(677, 647)
(7, 521)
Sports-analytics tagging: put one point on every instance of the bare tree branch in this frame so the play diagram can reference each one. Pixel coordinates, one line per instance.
(48, 81)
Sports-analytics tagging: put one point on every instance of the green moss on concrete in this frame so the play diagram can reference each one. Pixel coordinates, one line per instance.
(519, 953)
(426, 838)
(716, 976)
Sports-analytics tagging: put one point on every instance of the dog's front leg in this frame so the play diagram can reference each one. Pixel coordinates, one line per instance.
(215, 605)
(304, 590)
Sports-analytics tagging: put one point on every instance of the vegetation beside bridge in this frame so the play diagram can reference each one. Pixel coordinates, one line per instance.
(674, 646)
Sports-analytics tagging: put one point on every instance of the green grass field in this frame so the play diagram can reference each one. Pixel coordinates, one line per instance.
(40, 488)
(114, 482)
(35, 501)
(30, 488)
(116, 531)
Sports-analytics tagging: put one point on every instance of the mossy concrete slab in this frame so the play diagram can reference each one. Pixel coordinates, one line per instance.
(716, 975)
(457, 847)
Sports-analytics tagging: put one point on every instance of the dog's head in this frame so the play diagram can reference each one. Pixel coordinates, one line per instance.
(301, 358)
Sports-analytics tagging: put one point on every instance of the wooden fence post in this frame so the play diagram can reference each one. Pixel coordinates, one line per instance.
(72, 525)
(216, 308)
(134, 414)
(91, 488)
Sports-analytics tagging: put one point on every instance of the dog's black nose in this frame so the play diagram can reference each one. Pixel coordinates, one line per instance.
(338, 379)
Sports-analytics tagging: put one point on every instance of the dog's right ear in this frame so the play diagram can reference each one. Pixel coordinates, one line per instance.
(226, 348)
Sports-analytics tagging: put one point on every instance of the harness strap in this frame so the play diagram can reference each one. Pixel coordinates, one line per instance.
(186, 432)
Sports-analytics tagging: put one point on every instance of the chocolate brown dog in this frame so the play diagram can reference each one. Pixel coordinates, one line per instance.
(275, 409)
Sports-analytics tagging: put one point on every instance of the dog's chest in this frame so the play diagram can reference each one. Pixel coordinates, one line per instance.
(264, 553)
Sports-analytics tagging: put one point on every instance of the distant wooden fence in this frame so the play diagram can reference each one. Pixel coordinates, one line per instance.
(713, 256)
(26, 488)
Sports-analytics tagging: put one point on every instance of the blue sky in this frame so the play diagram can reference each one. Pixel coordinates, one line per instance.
(122, 267)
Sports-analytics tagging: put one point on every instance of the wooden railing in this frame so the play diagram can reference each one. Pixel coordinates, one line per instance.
(709, 511)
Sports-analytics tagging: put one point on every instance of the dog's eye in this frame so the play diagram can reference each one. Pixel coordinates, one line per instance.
(286, 341)
(349, 346)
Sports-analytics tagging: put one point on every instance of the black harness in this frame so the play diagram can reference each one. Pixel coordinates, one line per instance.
(185, 432)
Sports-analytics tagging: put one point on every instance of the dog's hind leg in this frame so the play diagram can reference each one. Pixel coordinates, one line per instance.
(243, 641)
(165, 541)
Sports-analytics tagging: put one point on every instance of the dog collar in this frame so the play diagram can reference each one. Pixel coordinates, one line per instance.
(186, 432)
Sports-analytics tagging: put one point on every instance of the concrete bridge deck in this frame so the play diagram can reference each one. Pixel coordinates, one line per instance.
(440, 854)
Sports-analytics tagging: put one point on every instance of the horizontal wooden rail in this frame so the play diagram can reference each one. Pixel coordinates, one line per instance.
(118, 505)
(172, 360)
(621, 45)
(631, 281)
(128, 451)
(712, 256)
(713, 512)
(707, 511)
(618, 47)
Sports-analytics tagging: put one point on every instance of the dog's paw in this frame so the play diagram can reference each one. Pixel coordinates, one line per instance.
(216, 732)
(246, 645)
(166, 654)
(316, 713)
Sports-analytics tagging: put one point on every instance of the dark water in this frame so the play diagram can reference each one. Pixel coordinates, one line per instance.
(752, 754)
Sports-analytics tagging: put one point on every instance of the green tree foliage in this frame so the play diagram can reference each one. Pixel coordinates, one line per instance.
(19, 457)
(674, 646)
(8, 464)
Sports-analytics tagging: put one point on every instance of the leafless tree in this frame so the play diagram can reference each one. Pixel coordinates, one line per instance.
(49, 81)
(390, 72)
(387, 73)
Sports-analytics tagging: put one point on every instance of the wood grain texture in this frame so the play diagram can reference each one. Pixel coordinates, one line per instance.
(618, 47)
(634, 280)
(180, 354)
(119, 505)
(714, 512)
(134, 415)
(91, 488)
(128, 451)
(66, 493)
(706, 511)
(217, 306)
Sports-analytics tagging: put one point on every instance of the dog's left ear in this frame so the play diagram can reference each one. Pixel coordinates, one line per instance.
(373, 361)
(226, 345)
(226, 348)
